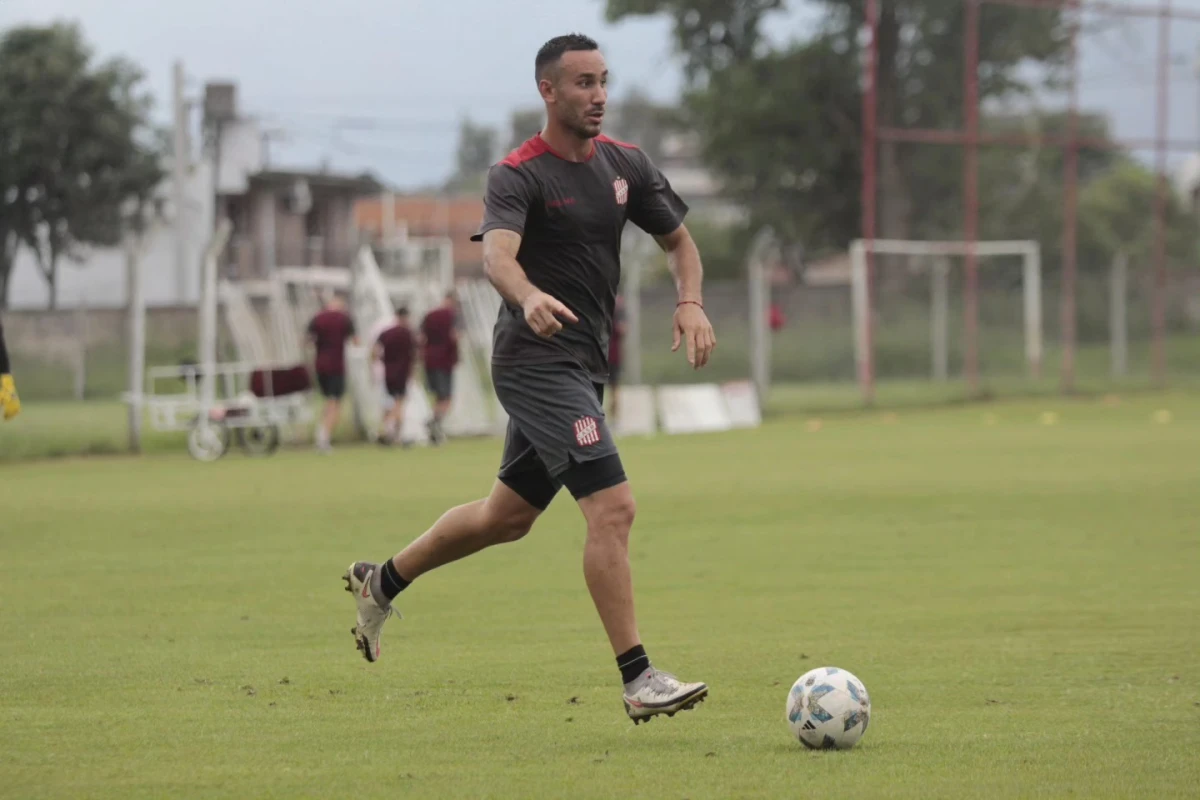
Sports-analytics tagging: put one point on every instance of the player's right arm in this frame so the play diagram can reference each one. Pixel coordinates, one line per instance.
(500, 248)
(510, 194)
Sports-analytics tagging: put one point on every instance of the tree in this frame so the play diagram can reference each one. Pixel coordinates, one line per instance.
(523, 124)
(794, 165)
(640, 120)
(920, 78)
(710, 34)
(476, 153)
(80, 157)
(783, 126)
(1115, 215)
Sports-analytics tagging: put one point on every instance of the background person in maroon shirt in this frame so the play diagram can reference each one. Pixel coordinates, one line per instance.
(329, 331)
(396, 349)
(439, 346)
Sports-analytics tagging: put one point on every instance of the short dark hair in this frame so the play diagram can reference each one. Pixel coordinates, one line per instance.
(554, 49)
(402, 311)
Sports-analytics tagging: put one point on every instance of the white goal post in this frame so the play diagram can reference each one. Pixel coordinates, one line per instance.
(939, 252)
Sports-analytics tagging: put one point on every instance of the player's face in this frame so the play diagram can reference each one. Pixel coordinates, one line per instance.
(580, 92)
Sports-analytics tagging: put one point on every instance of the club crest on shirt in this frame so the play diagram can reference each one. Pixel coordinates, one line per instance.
(621, 187)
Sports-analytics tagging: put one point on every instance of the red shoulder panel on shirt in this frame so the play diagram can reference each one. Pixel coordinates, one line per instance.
(530, 149)
(608, 140)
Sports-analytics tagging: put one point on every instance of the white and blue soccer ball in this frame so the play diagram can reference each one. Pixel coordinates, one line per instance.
(828, 708)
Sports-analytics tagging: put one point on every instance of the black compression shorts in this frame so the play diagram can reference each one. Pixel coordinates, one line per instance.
(557, 434)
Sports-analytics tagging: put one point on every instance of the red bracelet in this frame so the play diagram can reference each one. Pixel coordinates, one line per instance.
(693, 302)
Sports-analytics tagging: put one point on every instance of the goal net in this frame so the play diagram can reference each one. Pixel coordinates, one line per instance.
(908, 310)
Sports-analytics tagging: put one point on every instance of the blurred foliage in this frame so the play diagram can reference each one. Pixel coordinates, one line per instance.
(781, 121)
(81, 161)
(1114, 215)
(475, 154)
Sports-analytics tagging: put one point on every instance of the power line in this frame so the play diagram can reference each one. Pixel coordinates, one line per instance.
(364, 122)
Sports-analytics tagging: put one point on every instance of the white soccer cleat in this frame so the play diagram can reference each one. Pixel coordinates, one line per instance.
(370, 616)
(657, 692)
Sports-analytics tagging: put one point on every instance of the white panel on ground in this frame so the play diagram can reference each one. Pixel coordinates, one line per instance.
(636, 415)
(694, 408)
(741, 403)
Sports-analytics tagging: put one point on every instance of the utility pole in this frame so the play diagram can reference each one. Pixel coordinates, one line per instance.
(179, 168)
(137, 339)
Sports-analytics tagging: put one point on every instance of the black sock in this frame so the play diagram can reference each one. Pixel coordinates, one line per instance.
(386, 583)
(632, 663)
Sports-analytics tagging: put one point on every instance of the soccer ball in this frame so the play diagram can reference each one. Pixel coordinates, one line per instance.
(828, 709)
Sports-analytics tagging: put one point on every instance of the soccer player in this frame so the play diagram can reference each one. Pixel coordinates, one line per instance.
(554, 212)
(10, 402)
(395, 349)
(329, 331)
(439, 346)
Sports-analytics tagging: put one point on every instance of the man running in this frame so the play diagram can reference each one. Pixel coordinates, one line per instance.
(395, 349)
(554, 212)
(439, 346)
(329, 331)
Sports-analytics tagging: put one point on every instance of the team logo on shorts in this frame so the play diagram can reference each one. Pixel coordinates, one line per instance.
(621, 187)
(587, 431)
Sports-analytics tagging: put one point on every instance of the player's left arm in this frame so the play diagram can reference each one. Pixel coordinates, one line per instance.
(690, 324)
(659, 211)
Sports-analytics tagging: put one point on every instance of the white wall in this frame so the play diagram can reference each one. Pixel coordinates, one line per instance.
(100, 280)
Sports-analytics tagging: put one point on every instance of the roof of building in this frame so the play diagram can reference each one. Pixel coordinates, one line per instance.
(456, 216)
(364, 183)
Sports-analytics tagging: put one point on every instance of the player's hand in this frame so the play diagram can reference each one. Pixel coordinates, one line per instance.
(542, 312)
(692, 326)
(10, 403)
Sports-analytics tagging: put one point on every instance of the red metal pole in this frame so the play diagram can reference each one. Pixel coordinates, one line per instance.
(869, 145)
(1070, 209)
(1159, 356)
(971, 194)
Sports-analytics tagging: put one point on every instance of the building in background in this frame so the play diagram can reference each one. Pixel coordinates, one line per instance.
(280, 218)
(426, 216)
(293, 219)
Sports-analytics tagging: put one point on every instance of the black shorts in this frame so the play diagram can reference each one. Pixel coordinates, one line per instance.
(396, 387)
(614, 374)
(557, 434)
(440, 382)
(332, 386)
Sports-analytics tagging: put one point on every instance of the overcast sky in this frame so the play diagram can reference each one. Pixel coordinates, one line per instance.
(413, 68)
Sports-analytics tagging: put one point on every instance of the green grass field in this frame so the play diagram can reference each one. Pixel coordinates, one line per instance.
(1022, 601)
